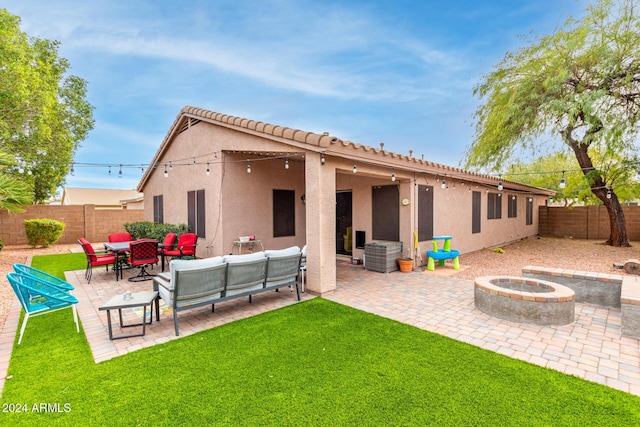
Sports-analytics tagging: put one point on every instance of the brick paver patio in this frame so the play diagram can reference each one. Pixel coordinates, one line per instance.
(591, 347)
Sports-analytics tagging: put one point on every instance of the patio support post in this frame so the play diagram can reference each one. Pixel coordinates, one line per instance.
(321, 223)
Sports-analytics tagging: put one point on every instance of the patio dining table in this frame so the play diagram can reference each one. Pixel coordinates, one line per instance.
(120, 250)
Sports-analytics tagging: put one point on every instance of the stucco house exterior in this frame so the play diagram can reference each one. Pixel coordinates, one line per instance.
(229, 176)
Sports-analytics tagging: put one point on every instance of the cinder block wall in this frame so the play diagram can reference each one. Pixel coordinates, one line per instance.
(81, 221)
(585, 222)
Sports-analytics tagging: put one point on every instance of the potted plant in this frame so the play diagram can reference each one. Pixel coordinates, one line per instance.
(406, 263)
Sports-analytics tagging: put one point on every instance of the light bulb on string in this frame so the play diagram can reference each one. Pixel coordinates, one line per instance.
(500, 186)
(563, 183)
(120, 172)
(166, 172)
(109, 170)
(286, 163)
(72, 171)
(444, 183)
(608, 193)
(322, 159)
(355, 168)
(208, 170)
(248, 167)
(393, 176)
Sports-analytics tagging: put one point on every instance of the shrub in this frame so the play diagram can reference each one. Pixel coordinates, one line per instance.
(42, 231)
(152, 230)
(1, 243)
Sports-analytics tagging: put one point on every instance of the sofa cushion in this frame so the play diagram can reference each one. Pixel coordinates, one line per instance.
(195, 264)
(293, 250)
(234, 259)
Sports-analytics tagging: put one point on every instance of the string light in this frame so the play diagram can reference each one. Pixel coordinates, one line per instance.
(248, 167)
(166, 172)
(322, 159)
(120, 172)
(393, 176)
(444, 183)
(355, 168)
(208, 170)
(286, 163)
(500, 186)
(608, 193)
(109, 170)
(72, 171)
(563, 183)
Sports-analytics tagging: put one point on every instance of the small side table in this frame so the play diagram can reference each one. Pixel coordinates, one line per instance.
(250, 244)
(138, 299)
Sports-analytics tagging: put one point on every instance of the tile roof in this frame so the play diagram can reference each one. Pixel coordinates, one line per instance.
(325, 143)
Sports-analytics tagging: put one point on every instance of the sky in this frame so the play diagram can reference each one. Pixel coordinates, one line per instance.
(400, 72)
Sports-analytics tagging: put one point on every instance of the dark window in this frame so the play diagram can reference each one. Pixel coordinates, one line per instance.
(385, 218)
(512, 205)
(476, 200)
(425, 212)
(494, 206)
(529, 210)
(196, 219)
(284, 213)
(158, 209)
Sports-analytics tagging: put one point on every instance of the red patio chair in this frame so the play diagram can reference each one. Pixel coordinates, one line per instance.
(168, 244)
(185, 248)
(95, 259)
(120, 237)
(143, 253)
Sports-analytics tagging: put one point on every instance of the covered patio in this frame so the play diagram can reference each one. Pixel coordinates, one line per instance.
(591, 347)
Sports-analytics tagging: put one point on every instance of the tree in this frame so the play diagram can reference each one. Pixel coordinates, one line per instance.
(581, 84)
(549, 170)
(13, 193)
(43, 111)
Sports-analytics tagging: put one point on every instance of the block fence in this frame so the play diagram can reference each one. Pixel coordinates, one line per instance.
(81, 220)
(585, 222)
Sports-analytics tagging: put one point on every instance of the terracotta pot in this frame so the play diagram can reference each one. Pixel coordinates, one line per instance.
(406, 264)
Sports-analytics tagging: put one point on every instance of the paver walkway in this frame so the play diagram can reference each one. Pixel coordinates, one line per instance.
(591, 348)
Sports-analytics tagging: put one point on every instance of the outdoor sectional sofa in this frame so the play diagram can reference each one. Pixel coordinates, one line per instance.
(195, 283)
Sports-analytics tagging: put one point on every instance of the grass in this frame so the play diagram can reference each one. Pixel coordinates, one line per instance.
(313, 363)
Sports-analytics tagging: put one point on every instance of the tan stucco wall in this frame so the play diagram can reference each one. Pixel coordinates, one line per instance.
(246, 205)
(239, 203)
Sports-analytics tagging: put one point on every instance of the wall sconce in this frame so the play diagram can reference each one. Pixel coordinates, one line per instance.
(303, 199)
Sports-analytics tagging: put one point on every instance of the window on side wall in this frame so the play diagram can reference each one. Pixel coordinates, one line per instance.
(494, 206)
(476, 201)
(158, 209)
(284, 213)
(196, 219)
(512, 205)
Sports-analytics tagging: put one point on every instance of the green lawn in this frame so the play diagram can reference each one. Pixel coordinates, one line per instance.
(313, 363)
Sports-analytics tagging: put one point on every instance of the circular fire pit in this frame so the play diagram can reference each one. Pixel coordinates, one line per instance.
(525, 300)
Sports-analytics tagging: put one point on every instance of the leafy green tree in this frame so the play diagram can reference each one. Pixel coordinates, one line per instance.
(43, 111)
(549, 170)
(581, 84)
(13, 193)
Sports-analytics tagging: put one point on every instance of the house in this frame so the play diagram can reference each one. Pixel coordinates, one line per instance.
(103, 198)
(228, 176)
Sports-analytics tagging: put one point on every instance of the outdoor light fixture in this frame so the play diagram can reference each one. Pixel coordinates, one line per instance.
(393, 176)
(500, 187)
(563, 183)
(72, 171)
(355, 169)
(286, 163)
(248, 167)
(444, 183)
(208, 170)
(120, 172)
(322, 159)
(170, 165)
(608, 193)
(109, 170)
(166, 172)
